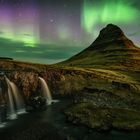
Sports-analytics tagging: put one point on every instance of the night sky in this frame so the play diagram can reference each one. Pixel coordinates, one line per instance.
(49, 31)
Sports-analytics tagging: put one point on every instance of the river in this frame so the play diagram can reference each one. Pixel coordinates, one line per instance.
(51, 124)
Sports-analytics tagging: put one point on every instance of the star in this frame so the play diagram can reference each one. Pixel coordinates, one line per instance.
(51, 20)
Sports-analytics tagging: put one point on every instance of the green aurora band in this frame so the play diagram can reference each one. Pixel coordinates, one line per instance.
(109, 12)
(24, 37)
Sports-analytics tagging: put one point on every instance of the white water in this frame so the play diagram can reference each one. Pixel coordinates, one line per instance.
(18, 99)
(2, 124)
(46, 91)
(14, 95)
(12, 112)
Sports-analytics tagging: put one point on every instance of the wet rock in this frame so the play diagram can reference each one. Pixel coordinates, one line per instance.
(37, 103)
(3, 113)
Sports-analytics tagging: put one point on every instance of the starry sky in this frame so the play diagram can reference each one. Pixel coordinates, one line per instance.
(50, 31)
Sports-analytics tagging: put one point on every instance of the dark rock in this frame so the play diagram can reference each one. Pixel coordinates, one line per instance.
(37, 102)
(90, 90)
(3, 113)
(121, 85)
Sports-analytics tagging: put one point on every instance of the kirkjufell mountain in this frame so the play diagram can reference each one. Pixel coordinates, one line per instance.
(111, 48)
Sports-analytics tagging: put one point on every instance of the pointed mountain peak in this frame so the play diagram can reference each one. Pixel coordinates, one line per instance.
(110, 30)
(112, 34)
(111, 49)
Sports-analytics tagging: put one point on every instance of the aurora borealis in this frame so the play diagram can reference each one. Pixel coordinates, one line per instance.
(48, 31)
(111, 11)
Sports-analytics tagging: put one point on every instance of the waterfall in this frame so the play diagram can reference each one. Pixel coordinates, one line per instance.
(18, 99)
(46, 91)
(12, 111)
(14, 95)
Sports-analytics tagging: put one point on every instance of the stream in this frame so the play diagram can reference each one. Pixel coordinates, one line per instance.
(51, 124)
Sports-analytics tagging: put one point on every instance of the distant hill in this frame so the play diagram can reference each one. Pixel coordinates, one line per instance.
(6, 58)
(111, 48)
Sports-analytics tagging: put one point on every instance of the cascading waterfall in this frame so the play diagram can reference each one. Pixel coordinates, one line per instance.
(14, 95)
(12, 111)
(46, 91)
(18, 99)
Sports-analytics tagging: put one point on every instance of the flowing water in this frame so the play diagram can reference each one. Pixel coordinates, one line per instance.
(20, 107)
(45, 90)
(16, 103)
(12, 112)
(52, 125)
(2, 116)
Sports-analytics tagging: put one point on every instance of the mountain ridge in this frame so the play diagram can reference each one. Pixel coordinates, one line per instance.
(112, 33)
(111, 47)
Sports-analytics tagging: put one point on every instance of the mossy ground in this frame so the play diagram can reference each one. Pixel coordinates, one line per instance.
(104, 118)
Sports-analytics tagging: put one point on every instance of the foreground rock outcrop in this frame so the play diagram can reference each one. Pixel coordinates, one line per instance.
(103, 118)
